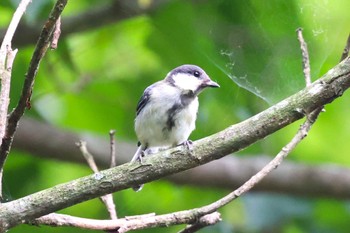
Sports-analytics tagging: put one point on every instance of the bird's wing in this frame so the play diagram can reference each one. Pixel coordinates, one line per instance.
(144, 100)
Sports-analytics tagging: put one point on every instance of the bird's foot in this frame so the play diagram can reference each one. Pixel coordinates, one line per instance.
(188, 144)
(138, 157)
(141, 156)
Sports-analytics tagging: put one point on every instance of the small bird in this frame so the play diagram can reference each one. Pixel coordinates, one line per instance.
(167, 111)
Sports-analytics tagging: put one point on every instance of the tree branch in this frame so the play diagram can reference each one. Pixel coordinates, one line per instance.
(174, 160)
(305, 56)
(228, 172)
(198, 217)
(113, 157)
(6, 60)
(24, 101)
(7, 56)
(108, 198)
(206, 220)
(130, 223)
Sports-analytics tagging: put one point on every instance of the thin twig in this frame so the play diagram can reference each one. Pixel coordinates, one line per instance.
(88, 157)
(305, 56)
(7, 56)
(108, 198)
(311, 117)
(206, 220)
(6, 59)
(5, 100)
(5, 76)
(14, 23)
(346, 50)
(129, 223)
(24, 100)
(113, 157)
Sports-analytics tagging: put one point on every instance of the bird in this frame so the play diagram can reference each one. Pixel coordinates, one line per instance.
(166, 112)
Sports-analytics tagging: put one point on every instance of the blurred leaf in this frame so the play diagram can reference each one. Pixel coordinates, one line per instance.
(271, 211)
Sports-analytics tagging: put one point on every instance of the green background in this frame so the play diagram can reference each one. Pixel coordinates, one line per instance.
(93, 81)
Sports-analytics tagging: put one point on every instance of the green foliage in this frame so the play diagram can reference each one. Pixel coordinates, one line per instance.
(94, 79)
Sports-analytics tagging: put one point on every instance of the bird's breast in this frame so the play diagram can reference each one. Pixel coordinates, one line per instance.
(165, 123)
(181, 123)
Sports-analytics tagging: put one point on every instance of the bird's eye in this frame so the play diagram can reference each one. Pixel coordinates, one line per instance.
(197, 74)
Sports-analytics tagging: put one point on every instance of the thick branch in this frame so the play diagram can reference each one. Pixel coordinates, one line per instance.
(228, 172)
(232, 139)
(207, 212)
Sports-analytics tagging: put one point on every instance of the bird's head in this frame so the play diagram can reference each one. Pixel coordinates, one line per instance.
(190, 78)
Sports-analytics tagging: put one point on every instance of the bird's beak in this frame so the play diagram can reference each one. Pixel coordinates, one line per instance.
(211, 83)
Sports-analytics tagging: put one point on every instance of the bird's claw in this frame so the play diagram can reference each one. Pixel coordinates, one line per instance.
(188, 144)
(138, 157)
(141, 156)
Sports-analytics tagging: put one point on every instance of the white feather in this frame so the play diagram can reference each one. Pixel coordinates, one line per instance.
(151, 121)
(186, 81)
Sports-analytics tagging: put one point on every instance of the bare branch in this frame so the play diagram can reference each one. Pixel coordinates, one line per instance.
(206, 215)
(206, 220)
(131, 223)
(6, 60)
(305, 56)
(113, 157)
(88, 157)
(24, 101)
(7, 56)
(311, 117)
(227, 173)
(6, 43)
(108, 198)
(211, 208)
(177, 159)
